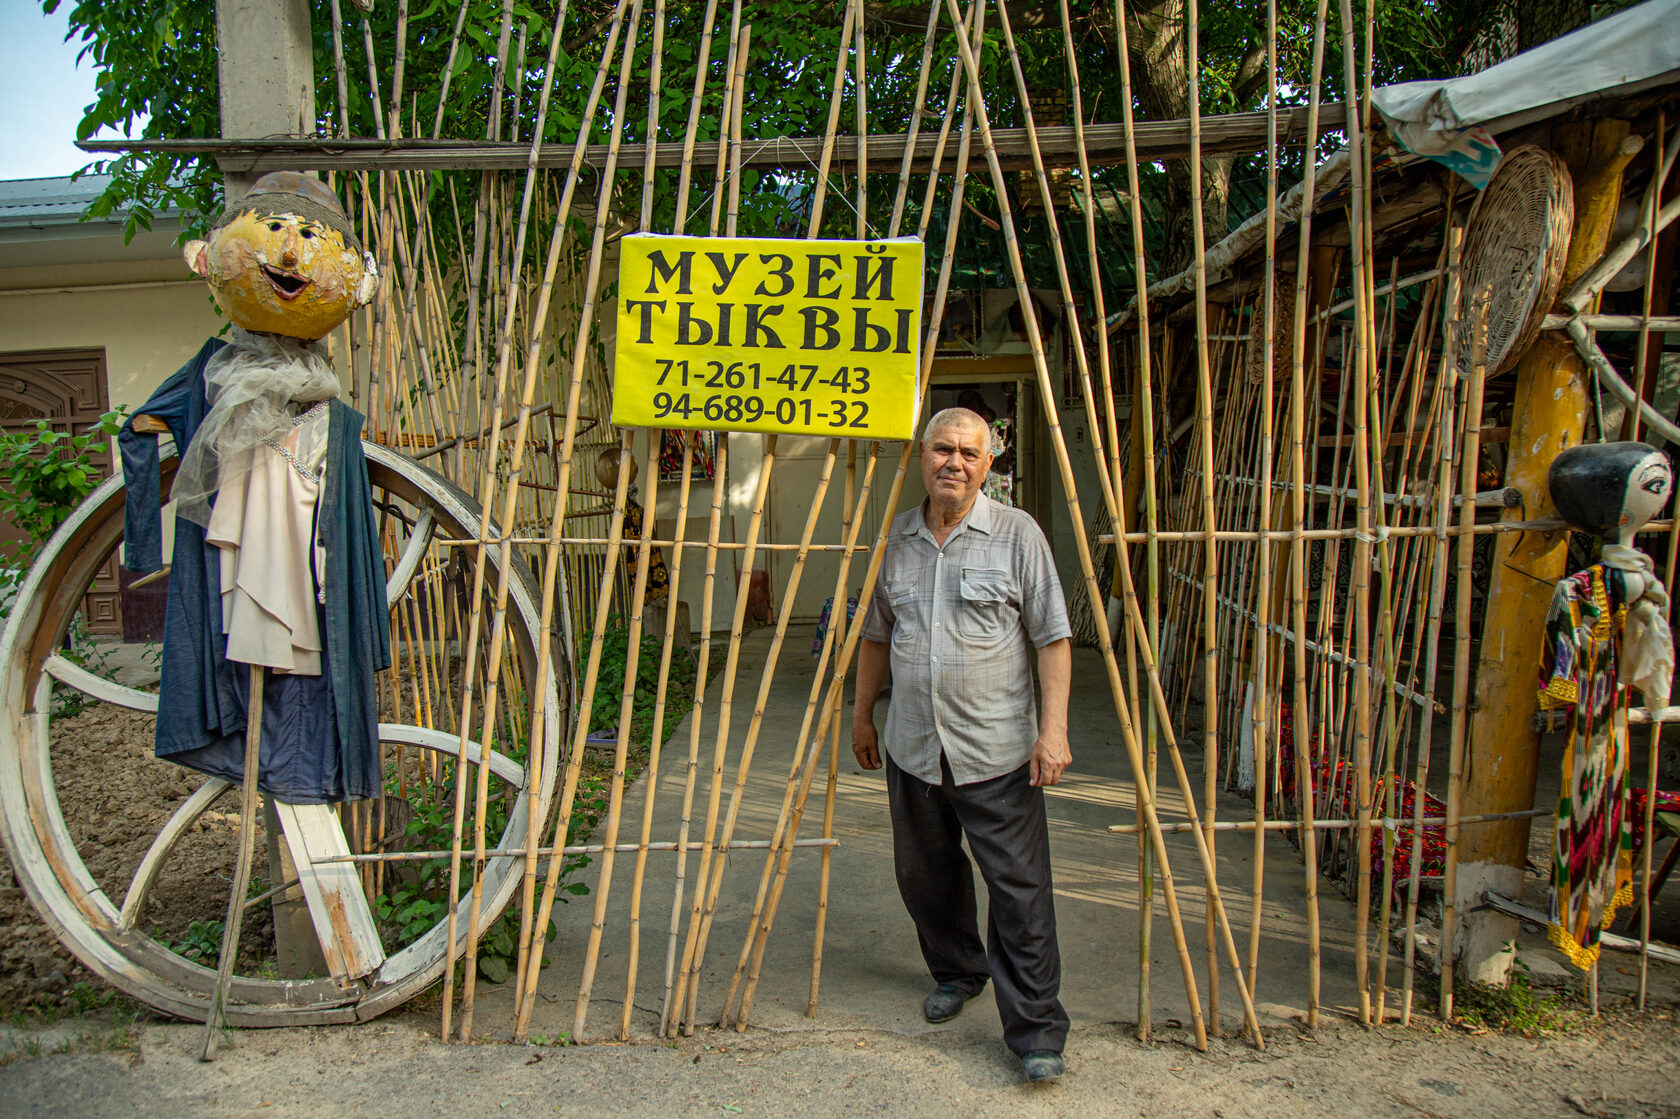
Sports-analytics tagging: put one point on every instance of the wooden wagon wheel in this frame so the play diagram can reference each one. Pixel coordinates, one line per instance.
(103, 930)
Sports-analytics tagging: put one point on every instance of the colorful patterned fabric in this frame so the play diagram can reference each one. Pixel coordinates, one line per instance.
(659, 577)
(1335, 798)
(1668, 800)
(1592, 857)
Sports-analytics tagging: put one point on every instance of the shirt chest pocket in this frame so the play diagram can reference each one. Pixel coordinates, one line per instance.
(985, 608)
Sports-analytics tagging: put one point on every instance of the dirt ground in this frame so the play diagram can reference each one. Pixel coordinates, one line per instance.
(1619, 1067)
(115, 796)
(81, 1052)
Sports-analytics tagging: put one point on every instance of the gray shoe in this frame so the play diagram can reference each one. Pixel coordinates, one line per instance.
(944, 1004)
(1042, 1064)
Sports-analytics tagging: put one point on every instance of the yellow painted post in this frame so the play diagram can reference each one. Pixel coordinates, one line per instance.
(1549, 416)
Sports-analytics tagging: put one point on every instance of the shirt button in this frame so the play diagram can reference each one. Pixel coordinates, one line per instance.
(935, 625)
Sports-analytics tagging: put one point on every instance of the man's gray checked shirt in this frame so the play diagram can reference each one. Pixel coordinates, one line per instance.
(959, 620)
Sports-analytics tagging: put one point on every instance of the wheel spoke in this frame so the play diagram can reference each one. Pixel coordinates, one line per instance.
(68, 672)
(448, 742)
(413, 553)
(146, 875)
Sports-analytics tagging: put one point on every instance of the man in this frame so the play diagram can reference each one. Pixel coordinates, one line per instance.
(965, 586)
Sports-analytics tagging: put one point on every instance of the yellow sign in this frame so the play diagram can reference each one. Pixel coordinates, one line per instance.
(757, 334)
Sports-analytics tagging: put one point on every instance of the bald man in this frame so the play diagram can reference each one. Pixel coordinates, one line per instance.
(967, 587)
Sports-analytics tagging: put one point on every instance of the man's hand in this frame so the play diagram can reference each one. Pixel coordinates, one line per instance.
(865, 746)
(872, 660)
(1050, 756)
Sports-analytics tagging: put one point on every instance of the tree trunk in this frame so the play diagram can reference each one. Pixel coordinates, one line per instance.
(1155, 39)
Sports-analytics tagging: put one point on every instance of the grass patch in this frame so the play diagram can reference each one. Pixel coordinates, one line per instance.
(1517, 1008)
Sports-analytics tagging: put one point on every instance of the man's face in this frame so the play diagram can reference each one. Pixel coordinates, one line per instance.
(281, 274)
(955, 459)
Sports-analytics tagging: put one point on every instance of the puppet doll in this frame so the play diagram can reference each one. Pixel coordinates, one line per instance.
(1607, 631)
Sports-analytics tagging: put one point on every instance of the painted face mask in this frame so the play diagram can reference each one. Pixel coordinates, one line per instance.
(284, 261)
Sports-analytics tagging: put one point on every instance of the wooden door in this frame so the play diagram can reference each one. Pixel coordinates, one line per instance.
(68, 389)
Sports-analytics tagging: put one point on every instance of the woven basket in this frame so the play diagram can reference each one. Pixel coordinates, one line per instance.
(1515, 245)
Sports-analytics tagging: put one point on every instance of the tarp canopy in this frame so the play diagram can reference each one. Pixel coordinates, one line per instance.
(1450, 120)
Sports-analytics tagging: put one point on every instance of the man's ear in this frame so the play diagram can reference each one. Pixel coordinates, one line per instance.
(197, 256)
(370, 281)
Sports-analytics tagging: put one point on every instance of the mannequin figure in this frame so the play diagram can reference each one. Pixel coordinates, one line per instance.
(1607, 631)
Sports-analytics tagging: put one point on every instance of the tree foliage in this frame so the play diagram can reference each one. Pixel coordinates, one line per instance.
(157, 78)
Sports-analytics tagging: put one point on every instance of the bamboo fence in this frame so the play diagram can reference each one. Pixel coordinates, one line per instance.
(1294, 487)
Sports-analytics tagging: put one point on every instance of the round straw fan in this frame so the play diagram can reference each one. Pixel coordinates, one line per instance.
(1514, 248)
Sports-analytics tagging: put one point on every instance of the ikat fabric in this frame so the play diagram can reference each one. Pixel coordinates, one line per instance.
(1592, 850)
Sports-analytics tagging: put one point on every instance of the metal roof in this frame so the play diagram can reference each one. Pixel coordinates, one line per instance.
(47, 202)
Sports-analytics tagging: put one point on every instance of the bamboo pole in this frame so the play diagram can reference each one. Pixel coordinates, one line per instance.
(1645, 880)
(1388, 823)
(838, 616)
(1142, 398)
(1116, 686)
(552, 556)
(505, 559)
(750, 743)
(710, 883)
(473, 343)
(656, 746)
(1210, 554)
(668, 1020)
(1361, 455)
(621, 748)
(1437, 595)
(1461, 643)
(1297, 544)
(1263, 594)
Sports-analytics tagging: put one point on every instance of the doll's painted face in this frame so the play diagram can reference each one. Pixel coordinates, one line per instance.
(283, 274)
(1648, 487)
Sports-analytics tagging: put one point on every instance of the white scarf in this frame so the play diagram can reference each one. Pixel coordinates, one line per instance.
(254, 387)
(1647, 644)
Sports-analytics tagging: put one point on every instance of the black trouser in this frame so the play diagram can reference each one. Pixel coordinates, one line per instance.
(1007, 833)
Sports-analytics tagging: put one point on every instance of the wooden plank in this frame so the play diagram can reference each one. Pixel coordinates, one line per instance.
(1105, 144)
(343, 920)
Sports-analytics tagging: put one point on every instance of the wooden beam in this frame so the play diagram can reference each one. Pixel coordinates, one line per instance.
(1105, 143)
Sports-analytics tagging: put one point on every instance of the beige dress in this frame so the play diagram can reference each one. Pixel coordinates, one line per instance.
(271, 561)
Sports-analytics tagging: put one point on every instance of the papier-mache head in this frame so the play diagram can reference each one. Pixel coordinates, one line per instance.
(1610, 490)
(285, 260)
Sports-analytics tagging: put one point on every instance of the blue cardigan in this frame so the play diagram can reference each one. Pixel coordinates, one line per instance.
(320, 739)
